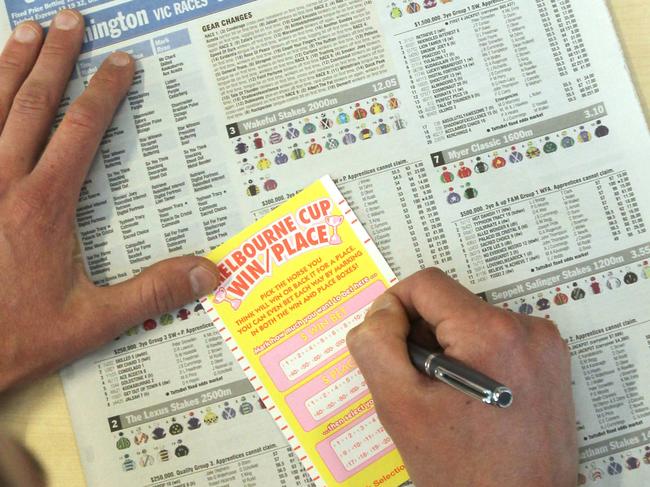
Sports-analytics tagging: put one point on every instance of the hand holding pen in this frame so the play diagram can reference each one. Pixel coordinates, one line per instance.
(447, 438)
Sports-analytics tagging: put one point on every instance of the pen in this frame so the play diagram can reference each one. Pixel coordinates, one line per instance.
(452, 372)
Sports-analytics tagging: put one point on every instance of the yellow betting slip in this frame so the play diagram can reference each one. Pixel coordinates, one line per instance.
(292, 286)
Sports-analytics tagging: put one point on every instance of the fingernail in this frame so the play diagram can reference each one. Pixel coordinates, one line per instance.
(202, 281)
(66, 20)
(119, 59)
(25, 34)
(385, 301)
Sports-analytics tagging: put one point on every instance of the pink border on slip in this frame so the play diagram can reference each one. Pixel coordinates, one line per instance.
(297, 399)
(271, 360)
(329, 456)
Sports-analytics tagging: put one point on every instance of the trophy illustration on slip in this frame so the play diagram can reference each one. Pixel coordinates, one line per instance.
(334, 221)
(220, 297)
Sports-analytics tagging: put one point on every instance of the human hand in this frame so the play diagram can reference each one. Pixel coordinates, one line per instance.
(51, 312)
(445, 437)
(18, 467)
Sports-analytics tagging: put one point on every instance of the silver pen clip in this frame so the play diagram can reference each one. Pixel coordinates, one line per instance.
(460, 376)
(501, 396)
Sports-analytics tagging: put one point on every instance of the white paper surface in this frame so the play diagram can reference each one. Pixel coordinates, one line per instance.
(501, 141)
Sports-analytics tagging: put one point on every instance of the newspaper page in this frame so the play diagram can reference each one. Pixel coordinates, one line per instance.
(501, 141)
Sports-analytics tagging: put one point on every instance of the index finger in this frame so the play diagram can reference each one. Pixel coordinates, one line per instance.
(466, 327)
(16, 61)
(435, 297)
(65, 161)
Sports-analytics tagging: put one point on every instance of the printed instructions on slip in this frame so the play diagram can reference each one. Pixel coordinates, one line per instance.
(293, 285)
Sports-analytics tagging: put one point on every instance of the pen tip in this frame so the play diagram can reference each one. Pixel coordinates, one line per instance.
(503, 397)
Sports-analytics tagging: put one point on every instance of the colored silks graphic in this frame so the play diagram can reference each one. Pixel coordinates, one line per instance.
(331, 143)
(382, 128)
(263, 163)
(297, 153)
(315, 148)
(360, 113)
(613, 282)
(309, 128)
(228, 412)
(549, 147)
(146, 460)
(210, 417)
(498, 162)
(149, 325)
(292, 132)
(246, 167)
(532, 151)
(584, 135)
(464, 172)
(567, 142)
(601, 130)
(515, 156)
(614, 468)
(471, 193)
(241, 147)
(376, 108)
(123, 443)
(158, 433)
(525, 309)
(365, 134)
(577, 294)
(349, 138)
(481, 167)
(595, 287)
(128, 464)
(413, 7)
(132, 331)
(560, 299)
(246, 408)
(181, 451)
(630, 278)
(257, 141)
(326, 123)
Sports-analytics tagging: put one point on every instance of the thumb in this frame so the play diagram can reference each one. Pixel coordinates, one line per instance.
(158, 289)
(378, 346)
